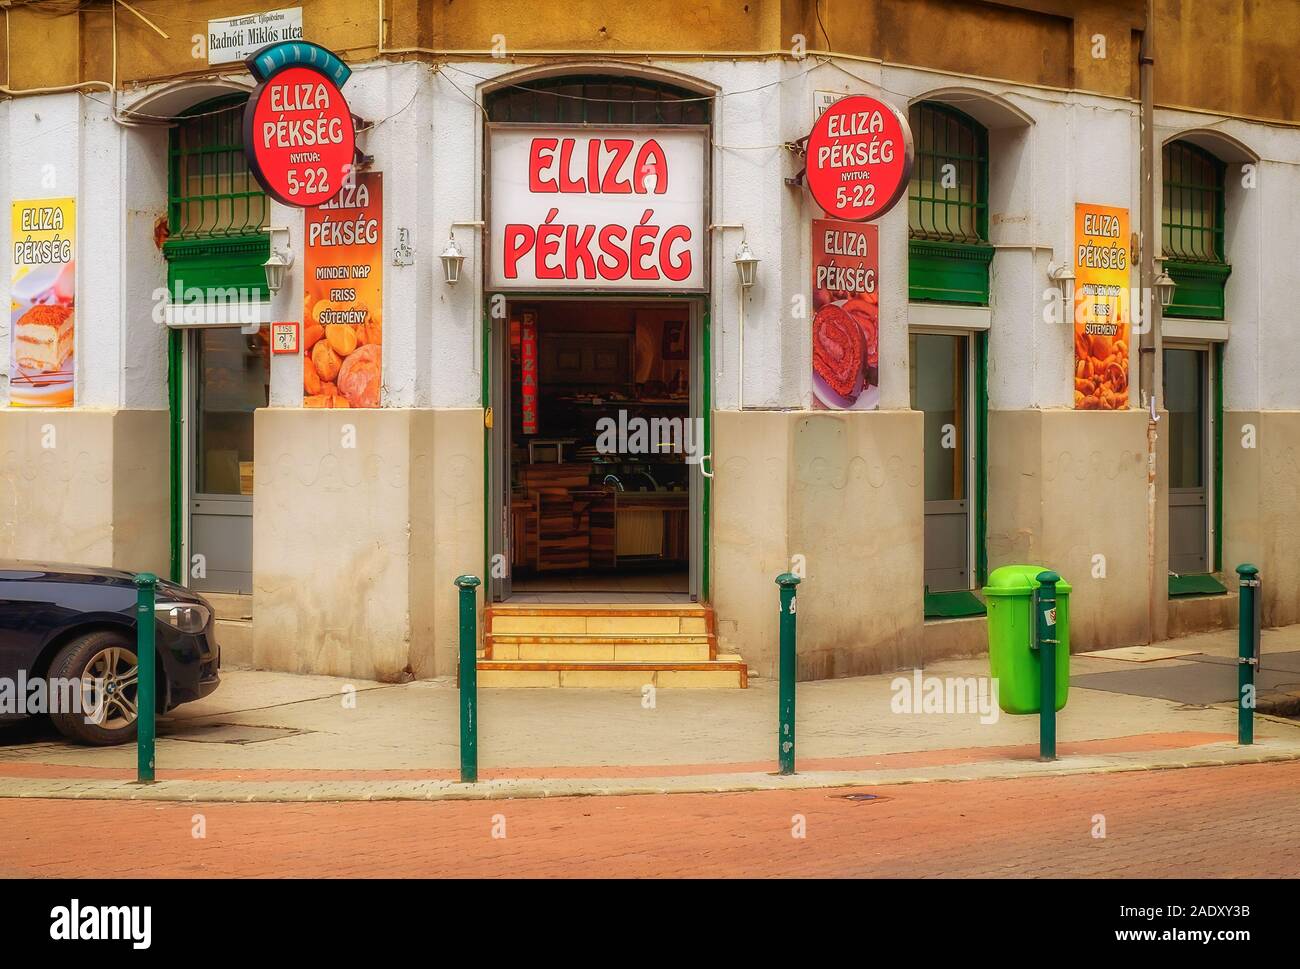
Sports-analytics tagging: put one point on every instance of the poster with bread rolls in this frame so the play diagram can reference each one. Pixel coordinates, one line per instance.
(42, 303)
(342, 320)
(1101, 307)
(846, 316)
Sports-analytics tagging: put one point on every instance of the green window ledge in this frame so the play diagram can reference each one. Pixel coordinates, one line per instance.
(231, 263)
(948, 272)
(1199, 293)
(952, 605)
(1195, 585)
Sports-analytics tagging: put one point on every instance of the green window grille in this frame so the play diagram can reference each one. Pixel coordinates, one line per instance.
(1192, 217)
(598, 99)
(947, 207)
(216, 212)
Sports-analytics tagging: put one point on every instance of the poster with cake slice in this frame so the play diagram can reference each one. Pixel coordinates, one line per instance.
(846, 317)
(42, 303)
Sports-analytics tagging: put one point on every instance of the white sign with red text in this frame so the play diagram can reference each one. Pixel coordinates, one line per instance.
(597, 209)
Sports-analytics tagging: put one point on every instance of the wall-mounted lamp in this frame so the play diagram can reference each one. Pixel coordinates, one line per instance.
(1165, 284)
(746, 261)
(1063, 277)
(453, 259)
(280, 261)
(746, 265)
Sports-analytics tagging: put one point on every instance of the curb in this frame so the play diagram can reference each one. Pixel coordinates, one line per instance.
(1210, 755)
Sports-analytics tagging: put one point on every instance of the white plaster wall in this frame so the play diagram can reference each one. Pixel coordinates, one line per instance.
(430, 147)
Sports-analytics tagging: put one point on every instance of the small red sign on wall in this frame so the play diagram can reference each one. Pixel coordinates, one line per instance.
(528, 370)
(284, 337)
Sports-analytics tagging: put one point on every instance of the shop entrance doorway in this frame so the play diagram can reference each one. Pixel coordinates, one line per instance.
(598, 438)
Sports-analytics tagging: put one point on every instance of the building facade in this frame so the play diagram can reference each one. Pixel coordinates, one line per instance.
(327, 497)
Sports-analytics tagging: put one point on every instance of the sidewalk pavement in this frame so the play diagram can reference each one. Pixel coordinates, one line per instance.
(283, 737)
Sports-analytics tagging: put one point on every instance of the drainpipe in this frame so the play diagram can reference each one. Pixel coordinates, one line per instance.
(1149, 343)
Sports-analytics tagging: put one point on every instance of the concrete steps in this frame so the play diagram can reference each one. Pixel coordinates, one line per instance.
(605, 646)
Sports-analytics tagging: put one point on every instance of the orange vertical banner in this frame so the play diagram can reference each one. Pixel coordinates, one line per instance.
(1101, 307)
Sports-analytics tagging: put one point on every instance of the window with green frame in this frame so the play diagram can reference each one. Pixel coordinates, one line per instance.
(1192, 211)
(216, 212)
(947, 207)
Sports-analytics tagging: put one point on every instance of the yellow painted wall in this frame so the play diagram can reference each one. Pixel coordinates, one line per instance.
(1231, 56)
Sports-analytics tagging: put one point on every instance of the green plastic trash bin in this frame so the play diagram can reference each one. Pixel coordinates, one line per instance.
(1013, 662)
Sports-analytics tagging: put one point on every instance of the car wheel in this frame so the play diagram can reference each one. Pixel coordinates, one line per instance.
(108, 714)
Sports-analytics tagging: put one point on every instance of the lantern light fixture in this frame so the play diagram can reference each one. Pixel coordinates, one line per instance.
(1063, 276)
(746, 265)
(453, 258)
(1165, 284)
(280, 261)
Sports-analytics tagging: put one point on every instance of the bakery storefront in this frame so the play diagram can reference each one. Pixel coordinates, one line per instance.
(596, 284)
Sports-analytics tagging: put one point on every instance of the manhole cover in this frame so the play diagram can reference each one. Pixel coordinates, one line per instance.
(864, 797)
(227, 733)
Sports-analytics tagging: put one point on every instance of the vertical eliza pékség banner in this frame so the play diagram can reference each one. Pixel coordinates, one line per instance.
(846, 316)
(342, 307)
(1101, 307)
(42, 294)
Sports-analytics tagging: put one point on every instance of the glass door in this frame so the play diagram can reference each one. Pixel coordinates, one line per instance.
(1187, 395)
(229, 379)
(939, 365)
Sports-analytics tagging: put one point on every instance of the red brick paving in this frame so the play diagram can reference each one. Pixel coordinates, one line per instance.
(1225, 821)
(901, 760)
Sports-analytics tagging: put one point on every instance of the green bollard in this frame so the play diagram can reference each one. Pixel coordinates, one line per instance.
(1247, 651)
(789, 668)
(146, 584)
(1046, 641)
(468, 679)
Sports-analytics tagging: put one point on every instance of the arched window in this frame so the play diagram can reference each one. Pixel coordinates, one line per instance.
(598, 99)
(1192, 215)
(216, 212)
(947, 207)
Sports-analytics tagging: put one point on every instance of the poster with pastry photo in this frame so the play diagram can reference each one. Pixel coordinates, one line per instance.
(342, 305)
(42, 303)
(845, 316)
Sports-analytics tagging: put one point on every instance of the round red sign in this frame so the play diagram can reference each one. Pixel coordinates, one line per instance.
(299, 137)
(859, 158)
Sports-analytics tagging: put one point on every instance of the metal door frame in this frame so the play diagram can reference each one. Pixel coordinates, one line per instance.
(190, 455)
(1209, 435)
(971, 467)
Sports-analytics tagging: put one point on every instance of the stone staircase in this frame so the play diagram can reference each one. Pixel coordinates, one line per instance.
(605, 646)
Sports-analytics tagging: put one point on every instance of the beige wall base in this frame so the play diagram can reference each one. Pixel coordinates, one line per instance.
(86, 486)
(839, 494)
(1261, 506)
(355, 547)
(1068, 490)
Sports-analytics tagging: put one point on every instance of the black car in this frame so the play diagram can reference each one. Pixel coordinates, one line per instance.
(61, 624)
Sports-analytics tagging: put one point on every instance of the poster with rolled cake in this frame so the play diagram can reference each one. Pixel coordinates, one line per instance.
(42, 303)
(846, 316)
(343, 273)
